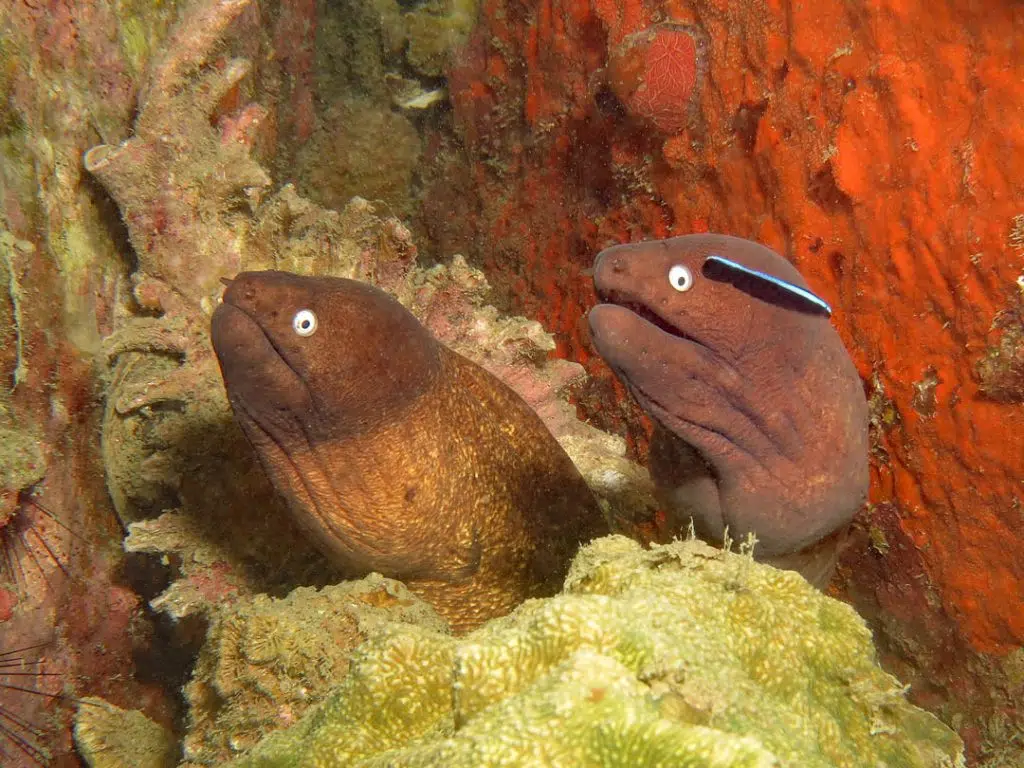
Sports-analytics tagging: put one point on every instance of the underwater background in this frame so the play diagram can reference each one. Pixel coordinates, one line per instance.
(472, 159)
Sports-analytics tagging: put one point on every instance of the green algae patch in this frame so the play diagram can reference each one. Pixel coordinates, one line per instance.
(111, 737)
(22, 463)
(143, 26)
(679, 655)
(81, 251)
(12, 336)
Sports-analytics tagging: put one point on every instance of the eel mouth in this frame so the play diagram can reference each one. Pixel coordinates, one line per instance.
(644, 312)
(270, 352)
(259, 380)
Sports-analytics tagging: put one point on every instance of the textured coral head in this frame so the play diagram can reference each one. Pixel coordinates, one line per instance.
(654, 74)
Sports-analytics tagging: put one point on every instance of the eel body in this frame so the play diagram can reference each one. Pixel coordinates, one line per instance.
(396, 454)
(761, 423)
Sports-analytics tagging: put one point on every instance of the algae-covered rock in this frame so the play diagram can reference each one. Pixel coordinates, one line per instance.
(435, 30)
(21, 456)
(266, 661)
(111, 737)
(358, 148)
(677, 655)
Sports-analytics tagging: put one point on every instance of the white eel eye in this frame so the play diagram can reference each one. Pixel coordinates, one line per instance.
(680, 277)
(304, 322)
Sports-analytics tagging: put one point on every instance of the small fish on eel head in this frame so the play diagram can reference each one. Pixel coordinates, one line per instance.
(396, 454)
(761, 422)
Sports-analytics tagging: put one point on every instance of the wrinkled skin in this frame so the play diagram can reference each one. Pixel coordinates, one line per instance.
(396, 454)
(761, 419)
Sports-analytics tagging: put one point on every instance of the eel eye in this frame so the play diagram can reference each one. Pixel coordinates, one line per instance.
(680, 277)
(304, 322)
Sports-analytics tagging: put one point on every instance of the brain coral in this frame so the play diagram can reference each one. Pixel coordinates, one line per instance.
(677, 655)
(266, 660)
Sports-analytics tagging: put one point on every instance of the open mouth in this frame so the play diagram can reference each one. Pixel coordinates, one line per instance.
(642, 311)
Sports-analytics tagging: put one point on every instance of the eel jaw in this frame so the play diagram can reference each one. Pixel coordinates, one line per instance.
(259, 381)
(629, 303)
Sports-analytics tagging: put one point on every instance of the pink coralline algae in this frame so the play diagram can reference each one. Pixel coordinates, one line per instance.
(654, 74)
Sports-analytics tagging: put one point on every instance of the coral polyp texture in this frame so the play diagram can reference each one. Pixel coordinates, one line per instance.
(111, 737)
(266, 661)
(178, 179)
(655, 72)
(677, 655)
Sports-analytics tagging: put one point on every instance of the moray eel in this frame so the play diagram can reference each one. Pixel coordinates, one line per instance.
(394, 453)
(761, 423)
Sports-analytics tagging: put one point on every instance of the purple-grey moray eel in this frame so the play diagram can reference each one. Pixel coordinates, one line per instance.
(761, 423)
(394, 453)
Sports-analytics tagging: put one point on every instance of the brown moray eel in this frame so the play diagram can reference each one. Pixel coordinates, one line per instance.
(396, 454)
(761, 424)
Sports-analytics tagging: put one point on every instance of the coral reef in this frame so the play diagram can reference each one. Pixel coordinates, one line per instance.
(434, 31)
(178, 179)
(295, 33)
(681, 654)
(372, 152)
(187, 186)
(366, 41)
(67, 81)
(369, 56)
(178, 471)
(12, 250)
(111, 737)
(869, 149)
(266, 661)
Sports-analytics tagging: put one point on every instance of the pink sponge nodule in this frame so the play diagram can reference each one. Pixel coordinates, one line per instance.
(654, 73)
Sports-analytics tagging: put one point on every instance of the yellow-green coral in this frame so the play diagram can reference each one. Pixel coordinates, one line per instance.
(266, 661)
(111, 737)
(680, 655)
